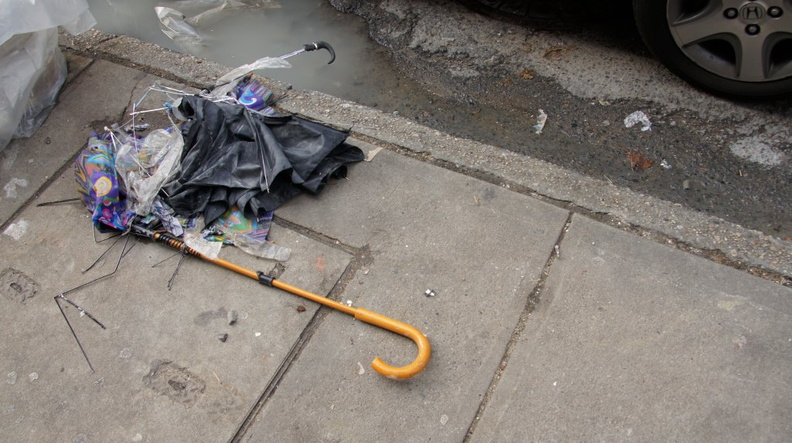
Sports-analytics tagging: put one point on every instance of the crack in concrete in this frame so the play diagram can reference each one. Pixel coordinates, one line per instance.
(533, 300)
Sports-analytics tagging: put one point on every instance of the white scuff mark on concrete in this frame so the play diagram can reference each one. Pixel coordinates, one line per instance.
(443, 419)
(638, 117)
(11, 378)
(730, 305)
(9, 156)
(125, 353)
(33, 376)
(10, 188)
(16, 230)
(755, 149)
(361, 369)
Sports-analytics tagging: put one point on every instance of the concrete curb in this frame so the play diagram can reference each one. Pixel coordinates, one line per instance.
(704, 235)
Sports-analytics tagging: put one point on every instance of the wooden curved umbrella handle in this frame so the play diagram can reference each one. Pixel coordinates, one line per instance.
(424, 348)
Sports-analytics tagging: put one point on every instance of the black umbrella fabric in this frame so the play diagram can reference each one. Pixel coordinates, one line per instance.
(233, 156)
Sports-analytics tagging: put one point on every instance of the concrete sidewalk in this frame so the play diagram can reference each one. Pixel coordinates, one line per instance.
(546, 324)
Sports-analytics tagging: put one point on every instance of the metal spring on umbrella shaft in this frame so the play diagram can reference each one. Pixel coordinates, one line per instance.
(176, 244)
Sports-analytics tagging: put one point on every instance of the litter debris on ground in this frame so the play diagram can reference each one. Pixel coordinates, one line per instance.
(540, 122)
(638, 117)
(220, 169)
(174, 24)
(664, 163)
(32, 65)
(232, 317)
(372, 153)
(239, 160)
(558, 52)
(638, 161)
(430, 293)
(182, 28)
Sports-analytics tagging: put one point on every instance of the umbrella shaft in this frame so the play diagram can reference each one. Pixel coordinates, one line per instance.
(258, 276)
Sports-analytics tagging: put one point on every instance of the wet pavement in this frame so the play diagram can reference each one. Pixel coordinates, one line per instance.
(492, 75)
(561, 308)
(484, 76)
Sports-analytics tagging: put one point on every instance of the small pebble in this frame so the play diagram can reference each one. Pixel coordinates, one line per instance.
(232, 317)
(222, 337)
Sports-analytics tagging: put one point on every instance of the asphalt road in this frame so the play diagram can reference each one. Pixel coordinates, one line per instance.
(490, 77)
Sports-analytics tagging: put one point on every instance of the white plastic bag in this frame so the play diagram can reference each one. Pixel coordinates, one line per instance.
(24, 16)
(32, 68)
(173, 24)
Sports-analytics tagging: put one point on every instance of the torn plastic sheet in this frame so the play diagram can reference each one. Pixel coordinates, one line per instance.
(236, 157)
(21, 17)
(173, 24)
(32, 67)
(97, 182)
(145, 165)
(250, 235)
(172, 223)
(226, 83)
(181, 28)
(120, 176)
(193, 238)
(206, 17)
(32, 71)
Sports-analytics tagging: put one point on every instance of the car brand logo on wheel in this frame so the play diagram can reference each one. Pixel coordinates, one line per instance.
(752, 12)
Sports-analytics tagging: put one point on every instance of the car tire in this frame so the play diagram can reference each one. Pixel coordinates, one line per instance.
(702, 43)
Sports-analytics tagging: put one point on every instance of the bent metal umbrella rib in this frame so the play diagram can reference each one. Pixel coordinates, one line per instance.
(373, 318)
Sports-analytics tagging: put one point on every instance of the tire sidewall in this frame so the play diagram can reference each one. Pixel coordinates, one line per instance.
(652, 23)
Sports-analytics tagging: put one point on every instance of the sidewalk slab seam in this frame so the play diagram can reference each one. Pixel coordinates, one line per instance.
(646, 343)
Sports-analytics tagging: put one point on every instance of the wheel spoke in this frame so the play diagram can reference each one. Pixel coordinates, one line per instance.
(704, 26)
(752, 65)
(779, 67)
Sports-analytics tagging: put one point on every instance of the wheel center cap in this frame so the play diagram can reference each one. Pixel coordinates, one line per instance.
(753, 13)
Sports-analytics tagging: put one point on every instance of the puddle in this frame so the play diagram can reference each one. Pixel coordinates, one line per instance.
(361, 73)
